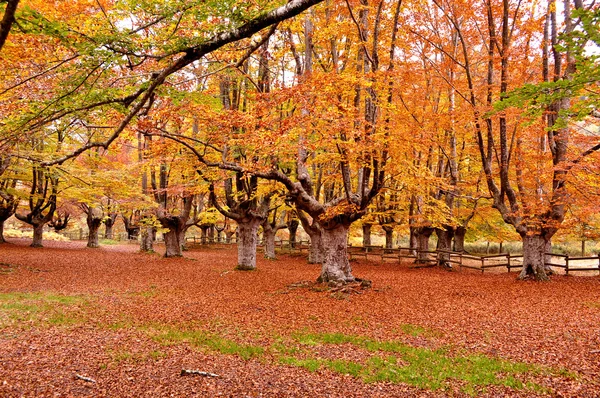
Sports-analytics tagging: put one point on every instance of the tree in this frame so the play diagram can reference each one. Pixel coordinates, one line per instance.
(100, 62)
(41, 201)
(8, 19)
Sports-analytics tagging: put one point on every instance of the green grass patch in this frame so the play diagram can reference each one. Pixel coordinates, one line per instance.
(41, 308)
(421, 367)
(209, 341)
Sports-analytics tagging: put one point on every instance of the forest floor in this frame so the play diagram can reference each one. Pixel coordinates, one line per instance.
(114, 322)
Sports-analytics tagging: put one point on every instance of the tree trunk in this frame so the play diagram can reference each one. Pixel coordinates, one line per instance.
(389, 236)
(315, 250)
(147, 241)
(336, 267)
(247, 242)
(366, 230)
(38, 232)
(422, 236)
(211, 234)
(108, 229)
(172, 243)
(548, 258)
(93, 228)
(2, 240)
(534, 247)
(269, 242)
(182, 242)
(94, 221)
(132, 233)
(444, 243)
(228, 236)
(293, 229)
(459, 239)
(413, 243)
(204, 234)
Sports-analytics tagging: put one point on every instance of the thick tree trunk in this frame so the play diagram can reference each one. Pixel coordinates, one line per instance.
(422, 236)
(315, 251)
(389, 236)
(366, 231)
(548, 258)
(147, 241)
(38, 232)
(204, 234)
(93, 229)
(172, 242)
(459, 239)
(293, 229)
(269, 242)
(94, 221)
(336, 267)
(534, 247)
(247, 242)
(444, 243)
(108, 228)
(182, 242)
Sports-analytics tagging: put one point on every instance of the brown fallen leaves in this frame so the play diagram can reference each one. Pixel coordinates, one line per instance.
(555, 324)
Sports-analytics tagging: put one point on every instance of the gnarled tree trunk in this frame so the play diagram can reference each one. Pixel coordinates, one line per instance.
(173, 236)
(247, 242)
(269, 240)
(94, 221)
(444, 243)
(336, 267)
(147, 241)
(38, 232)
(534, 247)
(459, 239)
(422, 235)
(172, 243)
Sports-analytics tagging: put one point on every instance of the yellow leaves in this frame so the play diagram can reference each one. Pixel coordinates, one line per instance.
(343, 209)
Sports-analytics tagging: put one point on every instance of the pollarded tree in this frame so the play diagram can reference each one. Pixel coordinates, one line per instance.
(94, 216)
(41, 201)
(271, 224)
(248, 207)
(527, 161)
(295, 130)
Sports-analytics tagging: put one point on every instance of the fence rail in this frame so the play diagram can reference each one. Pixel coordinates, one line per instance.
(462, 260)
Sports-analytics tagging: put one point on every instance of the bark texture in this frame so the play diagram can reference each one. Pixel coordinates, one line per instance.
(38, 234)
(534, 247)
(336, 267)
(247, 242)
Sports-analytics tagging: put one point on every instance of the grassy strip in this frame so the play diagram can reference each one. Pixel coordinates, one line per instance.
(391, 361)
(40, 308)
(418, 366)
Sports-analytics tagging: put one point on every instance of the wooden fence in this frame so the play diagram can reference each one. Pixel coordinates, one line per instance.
(480, 263)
